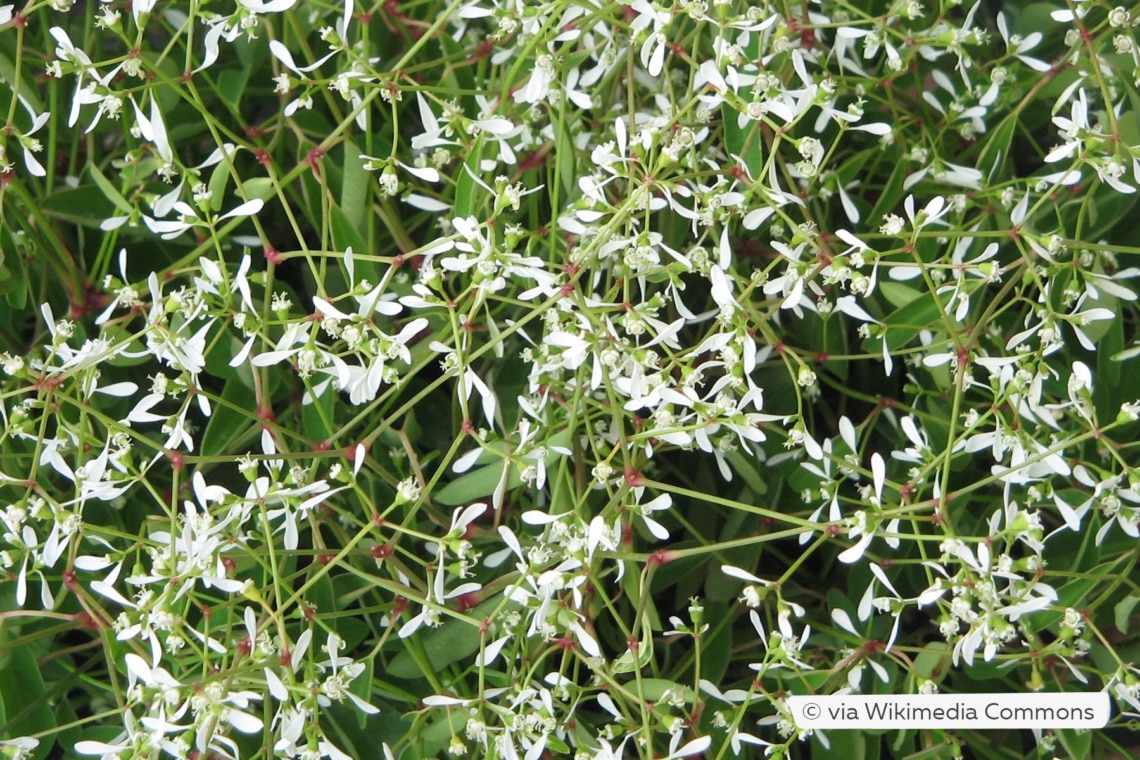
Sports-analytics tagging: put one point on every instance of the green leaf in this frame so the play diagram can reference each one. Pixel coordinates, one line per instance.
(480, 483)
(436, 735)
(845, 745)
(744, 142)
(65, 715)
(321, 594)
(625, 662)
(317, 418)
(453, 641)
(219, 178)
(86, 205)
(670, 574)
(716, 650)
(28, 90)
(1037, 17)
(464, 75)
(17, 290)
(933, 661)
(345, 236)
(746, 468)
(257, 187)
(354, 189)
(852, 171)
(477, 484)
(994, 153)
(110, 192)
(809, 682)
(361, 686)
(1108, 390)
(25, 699)
(1105, 209)
(567, 165)
(904, 324)
(1070, 595)
(349, 590)
(231, 84)
(942, 751)
(230, 419)
(852, 168)
(466, 189)
(1077, 743)
(891, 195)
(1122, 612)
(654, 689)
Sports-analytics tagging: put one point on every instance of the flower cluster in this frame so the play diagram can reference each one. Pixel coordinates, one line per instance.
(587, 377)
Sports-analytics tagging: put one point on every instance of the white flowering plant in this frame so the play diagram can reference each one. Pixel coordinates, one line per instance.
(563, 379)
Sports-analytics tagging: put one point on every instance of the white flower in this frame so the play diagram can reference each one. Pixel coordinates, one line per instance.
(1018, 45)
(538, 86)
(430, 609)
(751, 595)
(168, 229)
(1073, 129)
(31, 145)
(651, 21)
(892, 225)
(932, 212)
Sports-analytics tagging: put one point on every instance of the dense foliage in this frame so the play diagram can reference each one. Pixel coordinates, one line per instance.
(571, 377)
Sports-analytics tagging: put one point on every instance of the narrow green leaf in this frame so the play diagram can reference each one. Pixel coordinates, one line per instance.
(361, 686)
(716, 648)
(744, 142)
(345, 236)
(109, 190)
(655, 689)
(904, 324)
(229, 420)
(17, 294)
(321, 594)
(1108, 390)
(475, 485)
(465, 185)
(354, 188)
(317, 417)
(852, 168)
(746, 468)
(933, 661)
(994, 153)
(567, 165)
(464, 75)
(219, 178)
(28, 90)
(891, 195)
